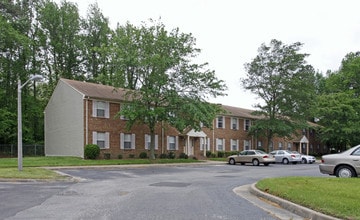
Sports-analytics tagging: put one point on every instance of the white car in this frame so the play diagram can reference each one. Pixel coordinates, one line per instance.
(306, 158)
(286, 156)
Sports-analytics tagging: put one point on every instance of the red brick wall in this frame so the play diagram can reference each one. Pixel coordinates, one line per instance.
(115, 126)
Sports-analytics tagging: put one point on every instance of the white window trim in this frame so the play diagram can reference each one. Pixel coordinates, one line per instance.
(122, 117)
(236, 125)
(249, 144)
(148, 137)
(245, 124)
(107, 107)
(223, 144)
(223, 122)
(176, 142)
(122, 142)
(237, 145)
(206, 144)
(107, 139)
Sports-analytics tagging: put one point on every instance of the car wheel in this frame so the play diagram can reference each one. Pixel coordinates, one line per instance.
(255, 162)
(303, 160)
(285, 161)
(345, 172)
(232, 161)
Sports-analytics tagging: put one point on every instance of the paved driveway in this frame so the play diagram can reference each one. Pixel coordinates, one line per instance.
(155, 192)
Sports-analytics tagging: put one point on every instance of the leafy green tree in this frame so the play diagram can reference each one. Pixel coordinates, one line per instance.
(339, 103)
(18, 60)
(169, 88)
(126, 54)
(61, 42)
(96, 38)
(281, 78)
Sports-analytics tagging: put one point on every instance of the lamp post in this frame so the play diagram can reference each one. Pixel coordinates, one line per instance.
(20, 150)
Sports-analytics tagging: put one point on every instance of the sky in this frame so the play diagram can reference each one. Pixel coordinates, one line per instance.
(229, 32)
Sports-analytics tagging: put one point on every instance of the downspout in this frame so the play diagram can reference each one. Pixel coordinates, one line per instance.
(213, 136)
(162, 137)
(86, 120)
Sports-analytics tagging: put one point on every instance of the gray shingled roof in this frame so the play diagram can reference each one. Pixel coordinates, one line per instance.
(239, 112)
(98, 91)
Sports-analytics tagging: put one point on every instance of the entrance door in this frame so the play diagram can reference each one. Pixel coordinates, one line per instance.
(191, 144)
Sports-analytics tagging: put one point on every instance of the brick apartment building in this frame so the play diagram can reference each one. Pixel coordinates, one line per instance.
(80, 113)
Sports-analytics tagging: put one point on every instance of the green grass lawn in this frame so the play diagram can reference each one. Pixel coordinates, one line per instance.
(32, 170)
(337, 197)
(76, 161)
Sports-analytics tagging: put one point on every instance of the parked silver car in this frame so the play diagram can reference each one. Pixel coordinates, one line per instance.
(345, 164)
(251, 156)
(306, 158)
(286, 156)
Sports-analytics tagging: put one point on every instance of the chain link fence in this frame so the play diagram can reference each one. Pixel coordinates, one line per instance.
(10, 150)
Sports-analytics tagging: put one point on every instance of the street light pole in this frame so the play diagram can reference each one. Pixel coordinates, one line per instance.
(20, 147)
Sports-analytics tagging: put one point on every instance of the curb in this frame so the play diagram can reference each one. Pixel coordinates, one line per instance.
(292, 207)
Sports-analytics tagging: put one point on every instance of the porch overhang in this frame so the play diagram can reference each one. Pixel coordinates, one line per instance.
(193, 133)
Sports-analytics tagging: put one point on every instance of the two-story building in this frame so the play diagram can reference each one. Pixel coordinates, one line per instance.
(81, 113)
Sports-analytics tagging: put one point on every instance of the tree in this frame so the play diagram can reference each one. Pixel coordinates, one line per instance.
(18, 60)
(61, 42)
(166, 86)
(281, 78)
(339, 103)
(96, 38)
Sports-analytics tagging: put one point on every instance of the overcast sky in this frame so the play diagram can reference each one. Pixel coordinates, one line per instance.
(229, 32)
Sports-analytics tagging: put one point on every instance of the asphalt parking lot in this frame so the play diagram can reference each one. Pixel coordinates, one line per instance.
(148, 192)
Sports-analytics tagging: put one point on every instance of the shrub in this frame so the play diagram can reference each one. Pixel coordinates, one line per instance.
(163, 156)
(220, 153)
(107, 156)
(183, 156)
(143, 155)
(208, 153)
(171, 155)
(92, 151)
(120, 156)
(131, 155)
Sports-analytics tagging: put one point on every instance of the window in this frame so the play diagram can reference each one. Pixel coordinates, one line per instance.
(220, 122)
(148, 141)
(127, 141)
(280, 146)
(100, 109)
(259, 145)
(234, 145)
(204, 142)
(220, 144)
(122, 117)
(172, 142)
(356, 152)
(101, 139)
(289, 146)
(247, 124)
(247, 145)
(234, 124)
